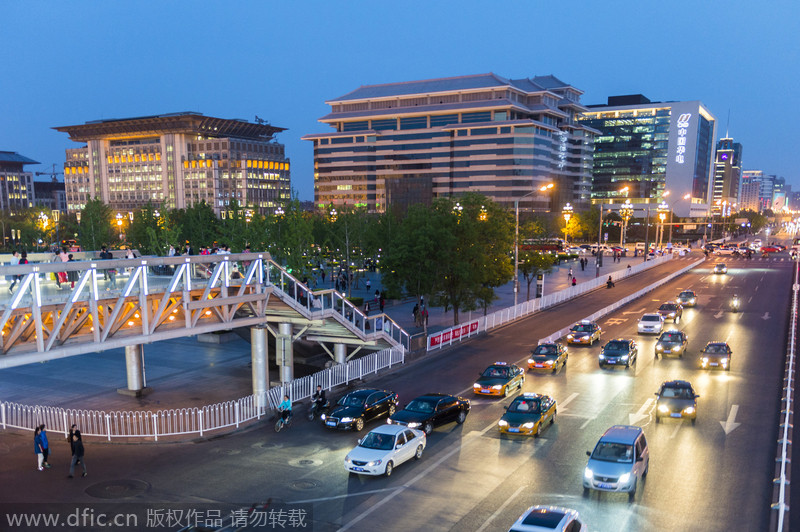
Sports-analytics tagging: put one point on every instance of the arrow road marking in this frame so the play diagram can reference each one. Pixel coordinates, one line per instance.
(719, 314)
(640, 414)
(636, 311)
(615, 321)
(765, 316)
(562, 406)
(730, 424)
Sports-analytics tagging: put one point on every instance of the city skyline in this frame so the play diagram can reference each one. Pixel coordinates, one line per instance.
(84, 61)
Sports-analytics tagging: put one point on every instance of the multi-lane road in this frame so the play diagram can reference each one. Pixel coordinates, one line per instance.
(716, 475)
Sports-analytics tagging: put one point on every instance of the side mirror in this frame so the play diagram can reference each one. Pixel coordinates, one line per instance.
(639, 459)
(360, 440)
(657, 394)
(588, 453)
(398, 445)
(696, 396)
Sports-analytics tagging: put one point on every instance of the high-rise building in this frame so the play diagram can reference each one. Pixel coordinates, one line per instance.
(177, 160)
(403, 143)
(647, 148)
(16, 185)
(750, 190)
(727, 174)
(50, 194)
(778, 194)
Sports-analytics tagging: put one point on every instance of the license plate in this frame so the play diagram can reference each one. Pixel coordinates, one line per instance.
(513, 430)
(331, 423)
(677, 414)
(485, 390)
(605, 485)
(539, 365)
(360, 469)
(713, 364)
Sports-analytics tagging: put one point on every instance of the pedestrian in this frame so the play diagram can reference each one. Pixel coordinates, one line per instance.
(13, 278)
(322, 273)
(171, 252)
(382, 302)
(77, 451)
(368, 285)
(37, 447)
(62, 276)
(415, 311)
(72, 275)
(569, 274)
(425, 316)
(104, 256)
(574, 281)
(187, 250)
(45, 445)
(610, 282)
(23, 259)
(629, 269)
(366, 308)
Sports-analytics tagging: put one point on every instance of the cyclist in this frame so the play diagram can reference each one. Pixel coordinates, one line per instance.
(286, 409)
(319, 397)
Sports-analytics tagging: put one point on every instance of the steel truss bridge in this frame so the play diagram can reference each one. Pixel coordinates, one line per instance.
(158, 298)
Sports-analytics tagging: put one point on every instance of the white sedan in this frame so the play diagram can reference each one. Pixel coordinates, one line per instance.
(384, 448)
(549, 519)
(651, 324)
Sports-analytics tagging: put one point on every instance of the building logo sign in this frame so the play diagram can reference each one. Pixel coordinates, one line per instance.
(562, 149)
(683, 126)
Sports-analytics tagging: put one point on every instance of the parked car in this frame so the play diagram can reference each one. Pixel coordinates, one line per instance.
(358, 407)
(430, 411)
(383, 448)
(618, 462)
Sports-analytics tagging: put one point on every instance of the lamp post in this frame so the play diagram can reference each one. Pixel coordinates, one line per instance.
(626, 211)
(543, 188)
(119, 225)
(45, 221)
(56, 216)
(566, 211)
(662, 210)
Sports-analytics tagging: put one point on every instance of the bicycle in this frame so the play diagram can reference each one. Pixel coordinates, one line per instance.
(281, 423)
(317, 409)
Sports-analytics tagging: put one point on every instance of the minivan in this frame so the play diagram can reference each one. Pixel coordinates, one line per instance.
(619, 461)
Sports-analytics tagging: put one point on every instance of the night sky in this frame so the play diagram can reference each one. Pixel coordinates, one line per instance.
(66, 63)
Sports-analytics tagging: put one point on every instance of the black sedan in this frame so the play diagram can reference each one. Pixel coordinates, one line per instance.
(676, 399)
(359, 406)
(619, 352)
(671, 342)
(431, 410)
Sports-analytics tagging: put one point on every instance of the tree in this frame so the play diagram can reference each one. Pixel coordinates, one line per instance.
(199, 225)
(532, 263)
(144, 232)
(96, 229)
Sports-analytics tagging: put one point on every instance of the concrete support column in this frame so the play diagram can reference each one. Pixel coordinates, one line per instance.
(284, 353)
(258, 352)
(340, 353)
(134, 368)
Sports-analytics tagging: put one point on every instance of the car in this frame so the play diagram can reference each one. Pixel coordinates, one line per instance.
(619, 251)
(548, 356)
(671, 311)
(618, 462)
(671, 342)
(720, 268)
(716, 355)
(755, 245)
(726, 250)
(549, 519)
(384, 448)
(687, 298)
(574, 251)
(499, 379)
(527, 414)
(430, 411)
(651, 323)
(359, 406)
(618, 352)
(584, 332)
(676, 399)
(770, 249)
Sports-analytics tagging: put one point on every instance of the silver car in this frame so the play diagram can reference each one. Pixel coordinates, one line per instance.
(619, 461)
(651, 324)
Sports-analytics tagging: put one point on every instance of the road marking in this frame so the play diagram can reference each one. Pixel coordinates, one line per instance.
(499, 510)
(616, 321)
(563, 405)
(640, 414)
(588, 420)
(675, 430)
(750, 299)
(765, 316)
(636, 311)
(730, 424)
(344, 496)
(719, 314)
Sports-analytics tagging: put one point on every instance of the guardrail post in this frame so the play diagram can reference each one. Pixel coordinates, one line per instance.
(154, 417)
(66, 429)
(3, 412)
(236, 409)
(108, 426)
(200, 421)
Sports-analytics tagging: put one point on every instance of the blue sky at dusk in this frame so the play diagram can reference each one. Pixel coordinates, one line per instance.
(66, 63)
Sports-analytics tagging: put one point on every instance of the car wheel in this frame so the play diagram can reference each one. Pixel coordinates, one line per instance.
(389, 468)
(553, 419)
(521, 384)
(677, 319)
(694, 420)
(538, 430)
(427, 428)
(585, 491)
(632, 493)
(646, 468)
(602, 366)
(462, 416)
(359, 424)
(505, 391)
(418, 454)
(392, 410)
(728, 367)
(655, 355)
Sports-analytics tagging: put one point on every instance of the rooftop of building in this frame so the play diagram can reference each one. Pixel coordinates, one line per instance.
(454, 84)
(14, 157)
(182, 122)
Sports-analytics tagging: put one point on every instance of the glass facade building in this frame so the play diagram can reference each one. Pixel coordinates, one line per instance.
(175, 161)
(404, 143)
(16, 185)
(727, 174)
(645, 149)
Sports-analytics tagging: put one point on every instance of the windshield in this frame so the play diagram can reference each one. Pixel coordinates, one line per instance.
(617, 346)
(545, 350)
(376, 440)
(584, 328)
(352, 400)
(719, 266)
(525, 406)
(495, 372)
(676, 393)
(670, 337)
(651, 317)
(687, 294)
(423, 407)
(716, 349)
(613, 452)
(666, 306)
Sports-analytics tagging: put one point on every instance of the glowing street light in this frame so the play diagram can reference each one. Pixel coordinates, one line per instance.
(626, 211)
(662, 210)
(566, 212)
(120, 217)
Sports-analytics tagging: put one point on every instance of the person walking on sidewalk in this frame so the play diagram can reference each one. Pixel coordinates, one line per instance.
(569, 274)
(77, 451)
(45, 446)
(13, 278)
(37, 448)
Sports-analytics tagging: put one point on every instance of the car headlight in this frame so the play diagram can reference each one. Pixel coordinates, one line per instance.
(624, 478)
(624, 357)
(689, 410)
(548, 362)
(705, 360)
(570, 337)
(692, 301)
(528, 425)
(497, 387)
(587, 473)
(659, 347)
(676, 348)
(347, 459)
(476, 385)
(374, 463)
(530, 361)
(503, 423)
(671, 314)
(663, 409)
(602, 356)
(414, 425)
(346, 420)
(322, 417)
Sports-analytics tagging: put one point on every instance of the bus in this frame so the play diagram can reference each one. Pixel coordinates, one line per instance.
(544, 245)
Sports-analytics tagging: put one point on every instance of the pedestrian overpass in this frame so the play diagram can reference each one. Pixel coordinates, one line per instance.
(159, 298)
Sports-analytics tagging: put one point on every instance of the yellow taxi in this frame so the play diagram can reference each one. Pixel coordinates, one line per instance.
(548, 357)
(528, 414)
(584, 332)
(499, 379)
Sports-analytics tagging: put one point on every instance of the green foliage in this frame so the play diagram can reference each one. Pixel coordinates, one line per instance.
(97, 227)
(531, 263)
(757, 221)
(198, 224)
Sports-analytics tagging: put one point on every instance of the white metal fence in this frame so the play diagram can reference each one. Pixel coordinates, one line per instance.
(526, 308)
(192, 420)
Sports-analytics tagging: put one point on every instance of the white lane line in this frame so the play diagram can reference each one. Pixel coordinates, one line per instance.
(563, 404)
(588, 420)
(469, 438)
(750, 299)
(344, 496)
(675, 431)
(500, 510)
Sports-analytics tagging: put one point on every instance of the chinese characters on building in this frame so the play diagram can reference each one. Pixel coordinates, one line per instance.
(683, 126)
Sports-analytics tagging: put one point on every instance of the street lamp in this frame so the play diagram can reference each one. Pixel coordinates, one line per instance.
(56, 215)
(566, 211)
(119, 224)
(483, 215)
(662, 210)
(626, 211)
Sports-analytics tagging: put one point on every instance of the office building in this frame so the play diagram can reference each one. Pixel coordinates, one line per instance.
(16, 185)
(175, 161)
(403, 143)
(779, 189)
(647, 148)
(51, 194)
(750, 190)
(727, 174)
